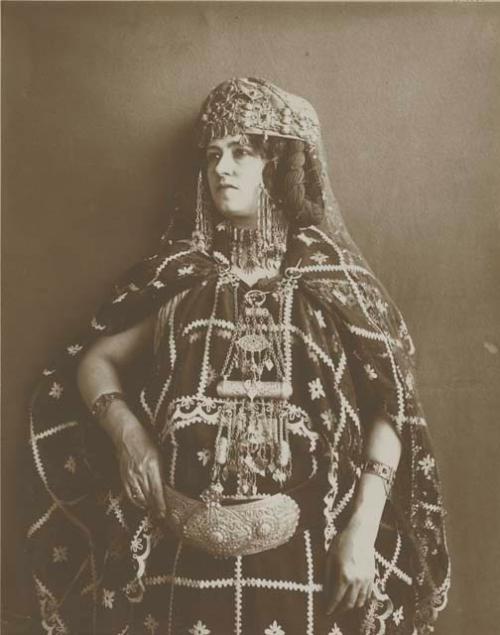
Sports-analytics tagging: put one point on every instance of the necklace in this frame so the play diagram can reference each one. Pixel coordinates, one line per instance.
(248, 249)
(253, 436)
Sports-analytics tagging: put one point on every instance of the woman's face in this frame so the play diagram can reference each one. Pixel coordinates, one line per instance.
(234, 173)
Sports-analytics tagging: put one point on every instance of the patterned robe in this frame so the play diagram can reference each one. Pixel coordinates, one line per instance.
(100, 565)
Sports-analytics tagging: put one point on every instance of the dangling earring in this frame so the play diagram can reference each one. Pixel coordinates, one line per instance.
(264, 218)
(202, 234)
(272, 229)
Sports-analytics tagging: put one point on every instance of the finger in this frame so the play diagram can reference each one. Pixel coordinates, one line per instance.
(135, 494)
(337, 598)
(363, 595)
(157, 494)
(371, 586)
(349, 599)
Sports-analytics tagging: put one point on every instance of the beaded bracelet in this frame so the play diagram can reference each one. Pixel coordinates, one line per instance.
(386, 472)
(102, 403)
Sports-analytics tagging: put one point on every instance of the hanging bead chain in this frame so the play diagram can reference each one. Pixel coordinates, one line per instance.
(202, 234)
(253, 438)
(263, 246)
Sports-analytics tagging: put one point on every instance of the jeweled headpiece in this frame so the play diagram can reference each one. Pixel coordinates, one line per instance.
(256, 106)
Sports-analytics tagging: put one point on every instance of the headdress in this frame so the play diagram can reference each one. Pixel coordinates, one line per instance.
(250, 106)
(255, 106)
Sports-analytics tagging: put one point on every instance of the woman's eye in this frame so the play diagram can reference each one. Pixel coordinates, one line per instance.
(241, 152)
(212, 156)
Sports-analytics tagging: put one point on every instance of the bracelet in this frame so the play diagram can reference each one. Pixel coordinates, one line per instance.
(386, 472)
(102, 403)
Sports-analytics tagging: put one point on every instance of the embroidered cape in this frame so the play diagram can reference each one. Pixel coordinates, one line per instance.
(358, 363)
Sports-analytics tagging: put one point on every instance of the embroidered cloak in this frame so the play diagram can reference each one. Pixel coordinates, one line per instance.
(101, 566)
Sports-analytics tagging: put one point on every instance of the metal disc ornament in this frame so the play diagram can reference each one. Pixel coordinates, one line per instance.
(253, 343)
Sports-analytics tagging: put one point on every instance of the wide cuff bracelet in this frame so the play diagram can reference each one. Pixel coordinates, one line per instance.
(101, 404)
(386, 472)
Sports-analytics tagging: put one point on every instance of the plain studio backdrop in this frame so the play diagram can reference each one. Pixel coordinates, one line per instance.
(97, 99)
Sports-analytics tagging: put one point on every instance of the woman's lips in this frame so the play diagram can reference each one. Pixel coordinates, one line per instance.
(226, 186)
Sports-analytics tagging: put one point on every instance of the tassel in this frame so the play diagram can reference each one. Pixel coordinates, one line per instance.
(221, 452)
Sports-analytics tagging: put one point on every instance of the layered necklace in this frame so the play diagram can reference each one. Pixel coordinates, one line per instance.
(251, 248)
(255, 382)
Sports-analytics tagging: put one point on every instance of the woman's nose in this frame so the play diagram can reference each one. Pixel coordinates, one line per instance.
(225, 164)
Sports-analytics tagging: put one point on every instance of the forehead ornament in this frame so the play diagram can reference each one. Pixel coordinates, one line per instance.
(255, 106)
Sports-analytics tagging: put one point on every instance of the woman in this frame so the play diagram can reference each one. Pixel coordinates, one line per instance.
(273, 472)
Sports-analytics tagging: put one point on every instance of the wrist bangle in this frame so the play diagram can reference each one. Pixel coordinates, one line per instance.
(386, 472)
(102, 403)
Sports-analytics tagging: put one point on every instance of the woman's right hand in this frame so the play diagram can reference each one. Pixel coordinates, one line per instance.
(99, 373)
(141, 469)
(138, 457)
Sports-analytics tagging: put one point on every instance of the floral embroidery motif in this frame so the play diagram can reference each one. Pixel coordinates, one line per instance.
(427, 465)
(48, 371)
(56, 390)
(319, 257)
(120, 298)
(274, 629)
(108, 597)
(327, 418)
(70, 464)
(335, 631)
(370, 371)
(74, 349)
(185, 271)
(316, 389)
(136, 544)
(60, 554)
(409, 382)
(95, 325)
(382, 306)
(308, 240)
(199, 629)
(194, 336)
(226, 334)
(204, 456)
(320, 318)
(397, 616)
(151, 624)
(313, 357)
(212, 375)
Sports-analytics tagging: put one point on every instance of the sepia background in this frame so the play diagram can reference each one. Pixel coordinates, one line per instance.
(97, 99)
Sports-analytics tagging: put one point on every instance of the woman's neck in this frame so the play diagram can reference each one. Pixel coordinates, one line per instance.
(251, 250)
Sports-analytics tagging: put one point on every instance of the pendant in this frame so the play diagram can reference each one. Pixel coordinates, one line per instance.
(253, 440)
(233, 389)
(253, 343)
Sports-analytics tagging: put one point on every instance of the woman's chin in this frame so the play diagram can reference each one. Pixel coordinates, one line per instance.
(239, 217)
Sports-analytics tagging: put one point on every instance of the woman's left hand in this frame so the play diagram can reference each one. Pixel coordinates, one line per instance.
(350, 571)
